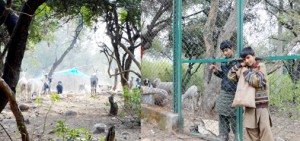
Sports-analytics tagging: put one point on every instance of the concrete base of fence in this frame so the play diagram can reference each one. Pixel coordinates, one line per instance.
(166, 120)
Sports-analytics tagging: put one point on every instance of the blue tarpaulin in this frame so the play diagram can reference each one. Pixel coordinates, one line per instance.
(71, 72)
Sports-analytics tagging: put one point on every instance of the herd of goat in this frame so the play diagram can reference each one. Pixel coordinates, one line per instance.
(160, 91)
(29, 88)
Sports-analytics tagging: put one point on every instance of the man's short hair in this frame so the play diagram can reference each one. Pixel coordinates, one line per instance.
(247, 51)
(226, 44)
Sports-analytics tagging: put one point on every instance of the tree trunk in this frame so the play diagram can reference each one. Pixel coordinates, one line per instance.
(279, 50)
(113, 106)
(116, 79)
(7, 17)
(127, 67)
(57, 62)
(212, 85)
(210, 91)
(111, 134)
(16, 48)
(118, 60)
(156, 25)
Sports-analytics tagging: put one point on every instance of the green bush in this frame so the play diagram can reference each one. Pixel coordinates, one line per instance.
(70, 134)
(158, 69)
(196, 78)
(284, 94)
(132, 101)
(164, 69)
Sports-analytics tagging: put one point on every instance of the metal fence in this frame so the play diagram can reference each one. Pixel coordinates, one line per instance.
(198, 28)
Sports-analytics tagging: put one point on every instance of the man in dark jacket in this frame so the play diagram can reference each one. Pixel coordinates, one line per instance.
(227, 116)
(59, 87)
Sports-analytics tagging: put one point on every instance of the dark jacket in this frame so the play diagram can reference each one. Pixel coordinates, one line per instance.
(226, 84)
(59, 88)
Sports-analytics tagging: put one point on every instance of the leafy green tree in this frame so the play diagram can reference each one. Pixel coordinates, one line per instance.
(287, 14)
(122, 20)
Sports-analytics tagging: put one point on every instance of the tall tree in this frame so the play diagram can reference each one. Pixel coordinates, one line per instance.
(160, 13)
(72, 45)
(122, 20)
(123, 27)
(16, 47)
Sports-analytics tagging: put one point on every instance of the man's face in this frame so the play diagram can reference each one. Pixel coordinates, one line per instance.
(249, 60)
(227, 52)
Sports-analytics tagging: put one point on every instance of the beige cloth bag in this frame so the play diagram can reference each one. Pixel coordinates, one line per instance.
(245, 94)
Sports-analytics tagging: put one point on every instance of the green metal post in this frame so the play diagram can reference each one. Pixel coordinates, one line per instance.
(177, 43)
(240, 16)
(174, 103)
(239, 111)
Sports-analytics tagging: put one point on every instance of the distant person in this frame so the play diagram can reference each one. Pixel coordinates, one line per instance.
(47, 83)
(138, 83)
(59, 87)
(94, 83)
(46, 88)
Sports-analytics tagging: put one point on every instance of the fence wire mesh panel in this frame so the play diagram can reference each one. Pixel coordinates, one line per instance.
(207, 96)
(206, 107)
(157, 53)
(269, 27)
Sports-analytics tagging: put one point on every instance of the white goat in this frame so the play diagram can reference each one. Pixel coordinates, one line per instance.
(192, 94)
(163, 85)
(159, 95)
(34, 86)
(146, 82)
(22, 85)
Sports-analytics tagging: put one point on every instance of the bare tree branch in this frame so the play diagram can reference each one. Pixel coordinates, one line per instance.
(6, 132)
(130, 55)
(153, 28)
(136, 73)
(15, 109)
(285, 24)
(229, 27)
(76, 36)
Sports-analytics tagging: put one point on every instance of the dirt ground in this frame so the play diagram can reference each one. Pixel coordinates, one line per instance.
(151, 132)
(88, 112)
(284, 128)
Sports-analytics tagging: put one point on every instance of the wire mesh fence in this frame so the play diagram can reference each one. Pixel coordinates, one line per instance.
(206, 103)
(157, 54)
